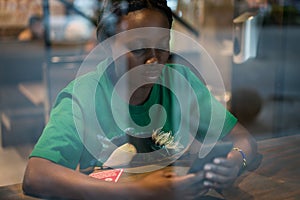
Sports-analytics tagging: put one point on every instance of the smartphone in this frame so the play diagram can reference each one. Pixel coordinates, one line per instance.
(220, 149)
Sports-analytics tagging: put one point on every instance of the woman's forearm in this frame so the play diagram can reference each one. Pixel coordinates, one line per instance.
(46, 179)
(244, 142)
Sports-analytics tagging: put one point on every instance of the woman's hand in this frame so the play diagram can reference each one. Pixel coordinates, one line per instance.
(221, 173)
(168, 185)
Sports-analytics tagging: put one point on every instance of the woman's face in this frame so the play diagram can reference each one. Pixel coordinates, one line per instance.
(141, 46)
(135, 43)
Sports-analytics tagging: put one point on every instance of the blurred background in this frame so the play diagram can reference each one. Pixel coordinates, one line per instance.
(254, 43)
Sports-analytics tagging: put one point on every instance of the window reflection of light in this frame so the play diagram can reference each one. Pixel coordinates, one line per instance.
(172, 4)
(180, 13)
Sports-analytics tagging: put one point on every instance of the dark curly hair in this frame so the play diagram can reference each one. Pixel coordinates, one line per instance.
(113, 10)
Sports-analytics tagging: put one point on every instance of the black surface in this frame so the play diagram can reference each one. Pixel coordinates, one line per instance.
(219, 150)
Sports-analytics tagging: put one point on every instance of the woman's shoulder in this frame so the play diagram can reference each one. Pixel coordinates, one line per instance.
(87, 79)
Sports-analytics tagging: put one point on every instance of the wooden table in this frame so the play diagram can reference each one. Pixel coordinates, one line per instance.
(277, 177)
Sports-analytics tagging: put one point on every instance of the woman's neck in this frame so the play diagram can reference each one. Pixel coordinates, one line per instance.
(141, 95)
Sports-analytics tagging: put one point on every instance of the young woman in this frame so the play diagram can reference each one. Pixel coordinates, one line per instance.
(52, 169)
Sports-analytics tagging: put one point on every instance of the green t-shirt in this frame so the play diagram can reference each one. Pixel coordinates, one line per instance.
(82, 120)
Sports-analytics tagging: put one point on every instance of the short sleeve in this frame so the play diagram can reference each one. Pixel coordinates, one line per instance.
(60, 142)
(215, 119)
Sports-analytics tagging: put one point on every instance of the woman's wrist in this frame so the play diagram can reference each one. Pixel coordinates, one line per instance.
(243, 155)
(236, 157)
